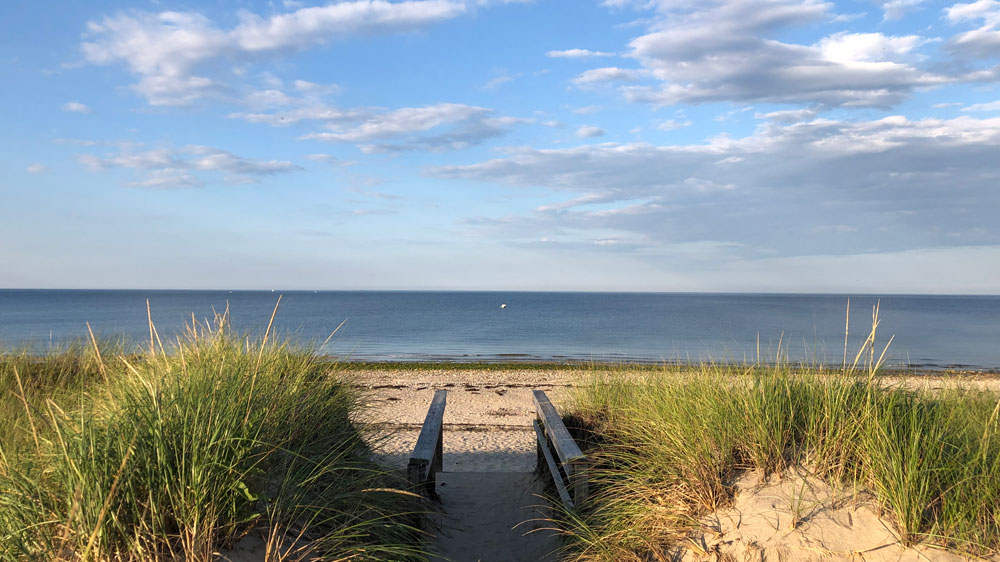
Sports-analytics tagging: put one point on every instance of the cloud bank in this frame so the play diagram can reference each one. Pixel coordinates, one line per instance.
(178, 167)
(812, 187)
(171, 51)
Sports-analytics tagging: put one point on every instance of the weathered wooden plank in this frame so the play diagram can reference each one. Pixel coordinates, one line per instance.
(543, 446)
(567, 449)
(574, 462)
(427, 458)
(430, 432)
(580, 479)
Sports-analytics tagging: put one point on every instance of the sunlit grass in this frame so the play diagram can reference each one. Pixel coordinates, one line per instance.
(175, 453)
(667, 447)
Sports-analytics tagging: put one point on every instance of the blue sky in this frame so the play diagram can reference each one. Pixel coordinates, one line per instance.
(651, 145)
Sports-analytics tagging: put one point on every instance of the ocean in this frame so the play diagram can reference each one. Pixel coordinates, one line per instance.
(931, 332)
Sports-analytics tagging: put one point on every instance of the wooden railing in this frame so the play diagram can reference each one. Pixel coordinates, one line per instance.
(427, 458)
(570, 472)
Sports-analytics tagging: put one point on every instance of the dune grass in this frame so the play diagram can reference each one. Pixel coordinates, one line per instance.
(110, 453)
(668, 446)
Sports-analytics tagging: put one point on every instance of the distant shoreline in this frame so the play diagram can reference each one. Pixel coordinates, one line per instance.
(518, 362)
(576, 365)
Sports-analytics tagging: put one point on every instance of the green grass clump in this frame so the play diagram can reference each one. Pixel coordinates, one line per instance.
(174, 456)
(667, 447)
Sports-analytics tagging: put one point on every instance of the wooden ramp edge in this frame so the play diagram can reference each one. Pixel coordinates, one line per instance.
(570, 472)
(427, 458)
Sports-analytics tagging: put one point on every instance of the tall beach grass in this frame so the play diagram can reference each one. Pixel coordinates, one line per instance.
(668, 446)
(178, 452)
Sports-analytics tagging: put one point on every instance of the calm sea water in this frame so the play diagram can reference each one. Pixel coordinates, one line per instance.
(930, 331)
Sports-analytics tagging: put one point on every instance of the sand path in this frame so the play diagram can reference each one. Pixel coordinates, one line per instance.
(490, 517)
(489, 508)
(488, 487)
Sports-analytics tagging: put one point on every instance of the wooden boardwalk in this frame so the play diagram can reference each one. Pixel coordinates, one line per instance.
(495, 516)
(488, 517)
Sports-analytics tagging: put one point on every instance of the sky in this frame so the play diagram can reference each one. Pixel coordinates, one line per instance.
(585, 145)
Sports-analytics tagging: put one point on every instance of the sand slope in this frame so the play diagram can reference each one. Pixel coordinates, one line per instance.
(798, 517)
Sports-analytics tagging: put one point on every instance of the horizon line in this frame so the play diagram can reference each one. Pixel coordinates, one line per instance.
(593, 291)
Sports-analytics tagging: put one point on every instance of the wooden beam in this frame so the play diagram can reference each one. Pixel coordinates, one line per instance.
(543, 446)
(574, 462)
(427, 458)
(562, 441)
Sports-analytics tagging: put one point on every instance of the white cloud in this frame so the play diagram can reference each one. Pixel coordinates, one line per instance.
(161, 158)
(860, 48)
(36, 168)
(727, 115)
(587, 110)
(264, 99)
(991, 106)
(408, 120)
(76, 107)
(847, 18)
(444, 126)
(166, 179)
(788, 115)
(589, 131)
(986, 10)
(725, 51)
(502, 78)
(984, 41)
(672, 124)
(209, 158)
(175, 167)
(329, 159)
(607, 74)
(313, 111)
(274, 106)
(896, 9)
(636, 4)
(165, 49)
(309, 26)
(316, 90)
(890, 184)
(577, 54)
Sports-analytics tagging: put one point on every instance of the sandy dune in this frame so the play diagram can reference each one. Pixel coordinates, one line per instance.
(798, 517)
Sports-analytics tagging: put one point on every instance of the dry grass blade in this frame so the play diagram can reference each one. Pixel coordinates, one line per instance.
(107, 501)
(27, 410)
(97, 352)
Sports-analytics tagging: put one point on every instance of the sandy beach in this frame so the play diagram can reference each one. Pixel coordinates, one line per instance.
(491, 507)
(489, 453)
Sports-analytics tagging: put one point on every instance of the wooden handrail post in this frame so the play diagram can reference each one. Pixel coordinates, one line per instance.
(552, 433)
(427, 458)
